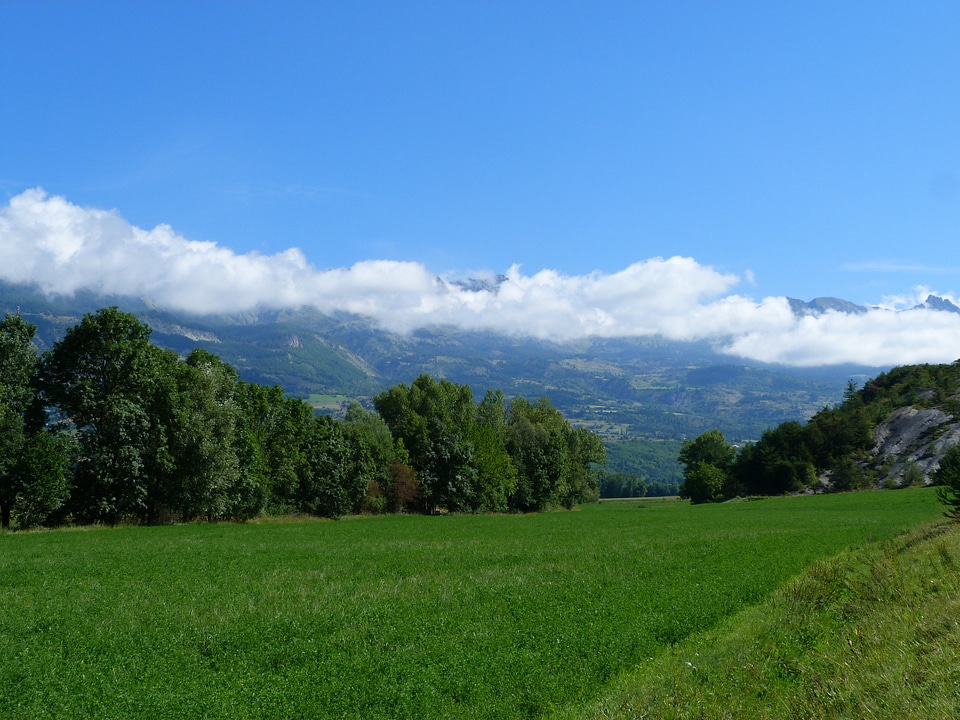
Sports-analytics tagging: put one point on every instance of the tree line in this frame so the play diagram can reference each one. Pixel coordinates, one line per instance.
(788, 458)
(106, 427)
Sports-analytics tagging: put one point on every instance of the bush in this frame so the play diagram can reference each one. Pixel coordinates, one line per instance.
(947, 479)
(704, 483)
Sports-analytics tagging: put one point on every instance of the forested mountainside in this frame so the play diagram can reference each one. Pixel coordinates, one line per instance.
(891, 432)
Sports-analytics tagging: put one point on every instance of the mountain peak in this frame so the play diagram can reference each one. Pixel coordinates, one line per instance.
(938, 303)
(491, 285)
(820, 305)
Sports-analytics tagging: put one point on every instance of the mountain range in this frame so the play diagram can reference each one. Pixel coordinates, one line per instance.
(648, 388)
(818, 306)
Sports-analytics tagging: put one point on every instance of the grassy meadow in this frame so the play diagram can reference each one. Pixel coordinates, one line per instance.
(497, 616)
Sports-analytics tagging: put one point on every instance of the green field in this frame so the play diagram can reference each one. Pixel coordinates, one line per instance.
(396, 616)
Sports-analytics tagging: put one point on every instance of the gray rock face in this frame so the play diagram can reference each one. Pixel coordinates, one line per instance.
(914, 436)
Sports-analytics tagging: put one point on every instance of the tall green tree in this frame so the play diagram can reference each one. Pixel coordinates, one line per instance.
(18, 362)
(332, 481)
(33, 462)
(707, 461)
(101, 378)
(433, 419)
(587, 453)
(162, 404)
(208, 479)
(496, 473)
(374, 453)
(270, 439)
(555, 462)
(537, 442)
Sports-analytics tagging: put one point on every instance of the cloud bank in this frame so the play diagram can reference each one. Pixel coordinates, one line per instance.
(62, 248)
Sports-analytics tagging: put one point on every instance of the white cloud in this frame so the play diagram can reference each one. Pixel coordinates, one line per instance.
(63, 248)
(877, 338)
(909, 300)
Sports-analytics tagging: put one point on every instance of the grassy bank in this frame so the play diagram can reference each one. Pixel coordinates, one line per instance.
(462, 617)
(874, 633)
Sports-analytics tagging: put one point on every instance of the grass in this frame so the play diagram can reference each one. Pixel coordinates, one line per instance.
(427, 617)
(870, 634)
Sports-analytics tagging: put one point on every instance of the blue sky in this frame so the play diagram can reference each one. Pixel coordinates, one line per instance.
(795, 149)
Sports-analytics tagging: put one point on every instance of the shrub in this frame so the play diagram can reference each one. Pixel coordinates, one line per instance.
(947, 479)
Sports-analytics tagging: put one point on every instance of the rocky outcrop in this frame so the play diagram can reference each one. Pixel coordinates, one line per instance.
(167, 328)
(912, 437)
(938, 303)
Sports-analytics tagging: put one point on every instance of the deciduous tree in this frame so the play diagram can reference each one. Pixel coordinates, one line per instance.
(100, 377)
(33, 461)
(433, 419)
(707, 463)
(703, 482)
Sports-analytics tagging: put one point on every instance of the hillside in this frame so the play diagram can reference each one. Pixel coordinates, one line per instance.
(890, 433)
(916, 415)
(623, 389)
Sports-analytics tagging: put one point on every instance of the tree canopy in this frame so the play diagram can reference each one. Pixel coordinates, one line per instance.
(490, 456)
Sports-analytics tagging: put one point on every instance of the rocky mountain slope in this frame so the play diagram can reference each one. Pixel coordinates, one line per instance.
(914, 411)
(910, 443)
